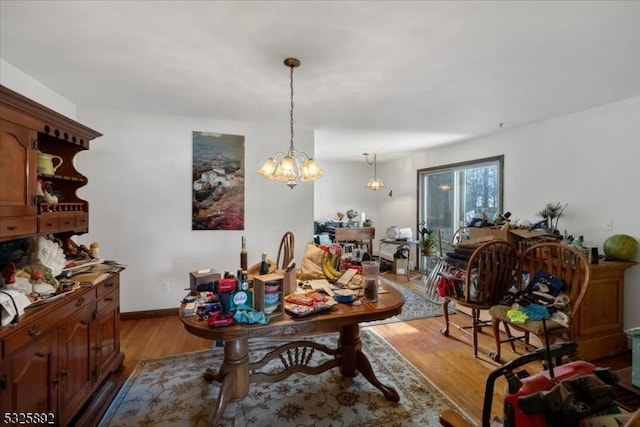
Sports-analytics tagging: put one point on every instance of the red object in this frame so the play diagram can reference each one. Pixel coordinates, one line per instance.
(541, 382)
(216, 319)
(9, 273)
(226, 285)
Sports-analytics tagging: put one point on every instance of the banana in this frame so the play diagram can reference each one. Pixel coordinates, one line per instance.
(328, 262)
(324, 263)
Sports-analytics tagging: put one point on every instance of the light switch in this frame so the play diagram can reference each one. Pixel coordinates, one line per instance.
(607, 224)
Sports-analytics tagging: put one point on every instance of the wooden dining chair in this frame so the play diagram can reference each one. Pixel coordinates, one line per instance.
(286, 250)
(488, 275)
(561, 261)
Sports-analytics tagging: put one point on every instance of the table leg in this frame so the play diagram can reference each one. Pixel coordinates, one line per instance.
(233, 376)
(353, 360)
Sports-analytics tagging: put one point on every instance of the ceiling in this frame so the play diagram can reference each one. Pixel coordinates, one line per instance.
(376, 76)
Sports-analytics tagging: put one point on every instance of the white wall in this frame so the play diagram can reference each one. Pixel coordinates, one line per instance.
(139, 194)
(588, 159)
(342, 188)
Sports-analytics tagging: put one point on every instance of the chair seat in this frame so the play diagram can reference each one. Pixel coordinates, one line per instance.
(533, 326)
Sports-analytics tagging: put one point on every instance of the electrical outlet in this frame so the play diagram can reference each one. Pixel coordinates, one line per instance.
(165, 286)
(607, 224)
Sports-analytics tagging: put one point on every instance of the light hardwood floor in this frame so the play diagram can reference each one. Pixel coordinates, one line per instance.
(447, 361)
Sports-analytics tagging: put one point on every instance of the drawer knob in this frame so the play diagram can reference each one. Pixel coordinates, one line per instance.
(79, 301)
(35, 330)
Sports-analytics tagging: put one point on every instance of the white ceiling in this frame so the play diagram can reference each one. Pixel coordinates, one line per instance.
(376, 76)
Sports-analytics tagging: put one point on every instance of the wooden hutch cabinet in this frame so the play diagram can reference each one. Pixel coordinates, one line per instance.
(60, 357)
(600, 331)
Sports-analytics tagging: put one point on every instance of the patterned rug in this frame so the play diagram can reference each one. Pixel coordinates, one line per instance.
(415, 306)
(170, 391)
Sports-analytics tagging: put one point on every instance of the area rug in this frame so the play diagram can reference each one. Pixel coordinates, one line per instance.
(415, 306)
(170, 391)
(626, 395)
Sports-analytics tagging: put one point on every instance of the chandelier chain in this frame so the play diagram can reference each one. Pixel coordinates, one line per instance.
(291, 148)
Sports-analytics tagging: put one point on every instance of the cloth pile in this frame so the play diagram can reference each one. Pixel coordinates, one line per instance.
(542, 298)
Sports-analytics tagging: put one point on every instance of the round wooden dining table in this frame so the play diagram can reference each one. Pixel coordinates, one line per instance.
(236, 372)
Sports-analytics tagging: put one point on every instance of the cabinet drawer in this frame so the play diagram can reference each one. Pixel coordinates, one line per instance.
(48, 223)
(82, 221)
(33, 328)
(67, 222)
(108, 299)
(18, 226)
(107, 285)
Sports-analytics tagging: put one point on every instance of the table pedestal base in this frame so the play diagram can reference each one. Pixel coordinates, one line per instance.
(236, 373)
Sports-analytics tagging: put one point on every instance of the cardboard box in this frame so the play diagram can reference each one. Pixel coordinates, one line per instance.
(513, 235)
(400, 266)
(202, 276)
(259, 291)
(495, 233)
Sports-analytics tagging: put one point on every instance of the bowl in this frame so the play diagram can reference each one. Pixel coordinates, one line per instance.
(269, 289)
(271, 298)
(268, 309)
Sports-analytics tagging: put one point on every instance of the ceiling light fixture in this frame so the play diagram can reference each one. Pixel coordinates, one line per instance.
(292, 165)
(374, 183)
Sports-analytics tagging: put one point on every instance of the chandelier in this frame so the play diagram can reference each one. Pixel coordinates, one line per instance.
(374, 183)
(293, 165)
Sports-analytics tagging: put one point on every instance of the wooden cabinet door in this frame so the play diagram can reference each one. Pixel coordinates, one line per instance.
(76, 361)
(33, 378)
(18, 178)
(108, 336)
(5, 394)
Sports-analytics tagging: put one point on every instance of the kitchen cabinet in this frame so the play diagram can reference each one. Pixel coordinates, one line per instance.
(61, 352)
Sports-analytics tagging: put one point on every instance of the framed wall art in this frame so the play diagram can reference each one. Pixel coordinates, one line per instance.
(217, 181)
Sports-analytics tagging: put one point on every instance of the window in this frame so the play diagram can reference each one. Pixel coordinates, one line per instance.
(450, 196)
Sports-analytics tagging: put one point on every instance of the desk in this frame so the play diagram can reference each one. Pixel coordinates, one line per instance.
(361, 236)
(410, 243)
(236, 372)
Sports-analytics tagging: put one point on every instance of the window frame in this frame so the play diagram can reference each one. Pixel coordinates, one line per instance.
(454, 167)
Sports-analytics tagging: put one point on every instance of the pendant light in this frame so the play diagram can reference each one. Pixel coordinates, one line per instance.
(374, 183)
(293, 165)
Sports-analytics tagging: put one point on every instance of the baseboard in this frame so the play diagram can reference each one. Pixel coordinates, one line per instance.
(148, 314)
(99, 403)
